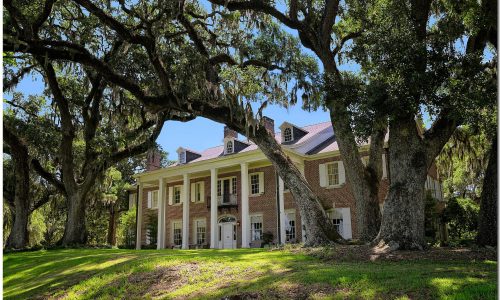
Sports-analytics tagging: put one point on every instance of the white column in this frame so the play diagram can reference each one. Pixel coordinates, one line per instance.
(185, 212)
(245, 216)
(213, 209)
(139, 219)
(281, 188)
(160, 241)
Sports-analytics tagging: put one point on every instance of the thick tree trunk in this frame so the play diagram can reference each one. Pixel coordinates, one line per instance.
(113, 218)
(363, 181)
(319, 228)
(19, 237)
(487, 233)
(75, 232)
(402, 224)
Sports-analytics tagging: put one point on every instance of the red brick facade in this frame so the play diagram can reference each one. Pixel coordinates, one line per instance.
(265, 204)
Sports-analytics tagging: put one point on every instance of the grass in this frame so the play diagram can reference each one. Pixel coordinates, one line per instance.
(242, 274)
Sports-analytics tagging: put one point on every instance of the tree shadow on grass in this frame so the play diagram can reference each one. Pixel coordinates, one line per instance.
(44, 273)
(236, 274)
(368, 281)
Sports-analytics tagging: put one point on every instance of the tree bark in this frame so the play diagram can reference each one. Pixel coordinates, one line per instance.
(75, 232)
(402, 224)
(113, 218)
(363, 181)
(19, 238)
(487, 232)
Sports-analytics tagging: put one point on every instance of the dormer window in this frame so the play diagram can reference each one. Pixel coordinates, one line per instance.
(229, 147)
(182, 157)
(291, 134)
(287, 134)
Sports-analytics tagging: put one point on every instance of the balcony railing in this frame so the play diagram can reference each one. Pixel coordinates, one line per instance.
(226, 200)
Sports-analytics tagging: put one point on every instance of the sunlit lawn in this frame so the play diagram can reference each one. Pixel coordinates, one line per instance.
(248, 273)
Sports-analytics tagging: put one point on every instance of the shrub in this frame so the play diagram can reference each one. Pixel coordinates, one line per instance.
(462, 216)
(126, 229)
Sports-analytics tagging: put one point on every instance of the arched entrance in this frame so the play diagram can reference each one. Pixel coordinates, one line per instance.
(227, 232)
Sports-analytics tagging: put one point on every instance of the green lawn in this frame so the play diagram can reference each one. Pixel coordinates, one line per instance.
(242, 273)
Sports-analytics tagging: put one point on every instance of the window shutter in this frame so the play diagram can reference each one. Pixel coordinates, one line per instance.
(193, 190)
(341, 172)
(202, 191)
(170, 195)
(346, 223)
(384, 167)
(322, 175)
(182, 194)
(149, 199)
(261, 182)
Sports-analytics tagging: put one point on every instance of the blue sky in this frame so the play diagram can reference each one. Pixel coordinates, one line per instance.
(202, 133)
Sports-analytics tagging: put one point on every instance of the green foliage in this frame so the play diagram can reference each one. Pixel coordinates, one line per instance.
(36, 228)
(431, 218)
(462, 216)
(152, 228)
(428, 68)
(462, 163)
(126, 229)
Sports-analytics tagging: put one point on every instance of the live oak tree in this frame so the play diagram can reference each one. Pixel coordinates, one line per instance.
(418, 50)
(176, 56)
(94, 128)
(24, 191)
(410, 57)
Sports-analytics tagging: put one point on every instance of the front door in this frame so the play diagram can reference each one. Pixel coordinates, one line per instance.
(228, 241)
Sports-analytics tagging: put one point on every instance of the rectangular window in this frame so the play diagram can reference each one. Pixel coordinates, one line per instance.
(333, 173)
(234, 185)
(290, 227)
(154, 199)
(256, 227)
(337, 220)
(177, 194)
(197, 191)
(201, 231)
(254, 184)
(337, 224)
(177, 233)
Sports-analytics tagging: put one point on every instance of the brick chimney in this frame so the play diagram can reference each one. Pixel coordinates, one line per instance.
(153, 160)
(269, 124)
(229, 133)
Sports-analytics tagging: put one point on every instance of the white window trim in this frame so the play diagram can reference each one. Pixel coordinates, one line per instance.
(341, 178)
(345, 212)
(179, 221)
(195, 229)
(157, 192)
(291, 134)
(232, 147)
(261, 184)
(173, 195)
(261, 215)
(182, 157)
(193, 191)
(230, 178)
(293, 211)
